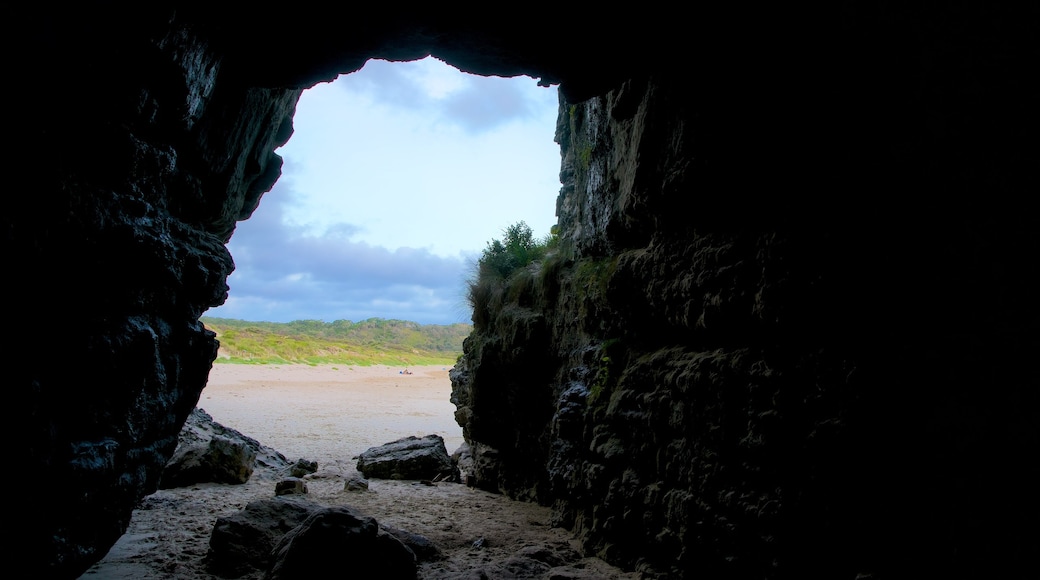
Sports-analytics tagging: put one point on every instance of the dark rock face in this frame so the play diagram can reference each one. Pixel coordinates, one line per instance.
(289, 538)
(340, 538)
(242, 542)
(142, 159)
(788, 332)
(421, 546)
(717, 377)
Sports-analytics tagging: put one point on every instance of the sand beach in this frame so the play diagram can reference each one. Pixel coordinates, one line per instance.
(330, 414)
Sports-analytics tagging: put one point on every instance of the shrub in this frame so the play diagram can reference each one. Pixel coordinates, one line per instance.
(519, 248)
(498, 263)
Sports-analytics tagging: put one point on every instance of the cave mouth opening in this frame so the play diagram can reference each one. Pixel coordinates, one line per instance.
(394, 180)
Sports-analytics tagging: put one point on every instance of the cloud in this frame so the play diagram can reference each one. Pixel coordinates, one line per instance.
(391, 84)
(478, 110)
(283, 273)
(394, 180)
(444, 95)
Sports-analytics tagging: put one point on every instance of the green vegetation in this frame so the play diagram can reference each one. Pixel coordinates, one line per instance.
(519, 248)
(595, 274)
(585, 156)
(369, 342)
(504, 264)
(606, 373)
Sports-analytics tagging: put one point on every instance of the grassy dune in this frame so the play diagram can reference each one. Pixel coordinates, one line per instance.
(374, 341)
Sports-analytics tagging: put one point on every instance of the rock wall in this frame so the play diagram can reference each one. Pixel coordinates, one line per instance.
(787, 332)
(144, 134)
(137, 157)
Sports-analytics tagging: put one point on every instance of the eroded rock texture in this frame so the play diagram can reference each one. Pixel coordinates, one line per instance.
(788, 332)
(137, 158)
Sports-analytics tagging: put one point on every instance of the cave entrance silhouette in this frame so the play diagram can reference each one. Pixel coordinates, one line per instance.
(395, 178)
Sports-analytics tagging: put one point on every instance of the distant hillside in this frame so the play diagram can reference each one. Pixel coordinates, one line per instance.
(369, 342)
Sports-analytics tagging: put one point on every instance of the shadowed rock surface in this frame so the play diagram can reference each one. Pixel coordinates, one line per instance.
(340, 538)
(243, 542)
(420, 545)
(789, 330)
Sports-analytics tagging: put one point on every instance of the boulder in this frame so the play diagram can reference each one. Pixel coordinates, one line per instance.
(409, 458)
(356, 483)
(340, 539)
(209, 452)
(424, 549)
(290, 486)
(304, 467)
(242, 542)
(463, 460)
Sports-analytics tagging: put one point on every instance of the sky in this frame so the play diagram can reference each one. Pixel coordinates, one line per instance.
(395, 179)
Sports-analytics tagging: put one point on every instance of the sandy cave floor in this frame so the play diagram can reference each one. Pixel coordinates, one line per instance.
(330, 414)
